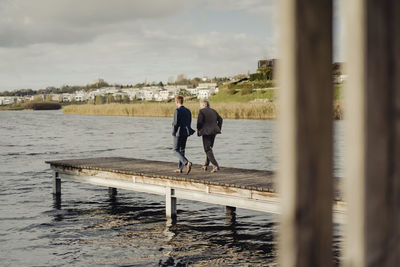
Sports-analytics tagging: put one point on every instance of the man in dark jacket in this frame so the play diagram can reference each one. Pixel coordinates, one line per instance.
(209, 124)
(181, 130)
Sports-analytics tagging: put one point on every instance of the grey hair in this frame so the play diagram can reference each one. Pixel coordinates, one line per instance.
(204, 102)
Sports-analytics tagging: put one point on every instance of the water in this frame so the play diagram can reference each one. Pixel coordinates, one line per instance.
(90, 228)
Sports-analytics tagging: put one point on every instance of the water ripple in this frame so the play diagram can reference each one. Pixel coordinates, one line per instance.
(85, 227)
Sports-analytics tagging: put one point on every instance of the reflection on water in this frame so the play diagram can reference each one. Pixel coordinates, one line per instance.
(88, 226)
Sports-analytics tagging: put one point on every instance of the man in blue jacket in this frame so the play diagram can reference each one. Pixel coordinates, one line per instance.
(181, 130)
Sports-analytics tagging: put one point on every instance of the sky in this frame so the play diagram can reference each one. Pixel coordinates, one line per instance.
(73, 42)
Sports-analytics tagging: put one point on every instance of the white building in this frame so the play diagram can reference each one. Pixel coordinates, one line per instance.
(93, 94)
(109, 90)
(139, 95)
(148, 95)
(67, 97)
(208, 85)
(120, 95)
(175, 89)
(28, 98)
(193, 91)
(81, 96)
(204, 93)
(206, 89)
(149, 92)
(56, 97)
(7, 100)
(132, 93)
(163, 95)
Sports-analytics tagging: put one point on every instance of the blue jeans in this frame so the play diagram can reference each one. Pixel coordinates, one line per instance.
(179, 150)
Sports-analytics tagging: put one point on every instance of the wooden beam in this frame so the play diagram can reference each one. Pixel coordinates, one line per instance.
(373, 133)
(305, 172)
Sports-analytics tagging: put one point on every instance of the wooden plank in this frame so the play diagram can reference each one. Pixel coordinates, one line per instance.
(373, 133)
(305, 172)
(196, 185)
(157, 169)
(125, 168)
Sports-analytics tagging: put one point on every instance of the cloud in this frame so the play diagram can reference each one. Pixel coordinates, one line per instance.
(52, 42)
(149, 52)
(25, 22)
(259, 7)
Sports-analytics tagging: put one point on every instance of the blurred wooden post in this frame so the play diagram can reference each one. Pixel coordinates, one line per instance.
(373, 133)
(306, 133)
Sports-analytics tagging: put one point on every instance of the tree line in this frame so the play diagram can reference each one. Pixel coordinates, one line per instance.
(70, 89)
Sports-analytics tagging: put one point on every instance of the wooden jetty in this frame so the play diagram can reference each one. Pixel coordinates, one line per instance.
(231, 187)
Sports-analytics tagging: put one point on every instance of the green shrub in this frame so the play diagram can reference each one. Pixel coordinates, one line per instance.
(246, 91)
(231, 91)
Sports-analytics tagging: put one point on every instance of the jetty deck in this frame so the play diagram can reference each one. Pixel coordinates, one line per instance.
(232, 187)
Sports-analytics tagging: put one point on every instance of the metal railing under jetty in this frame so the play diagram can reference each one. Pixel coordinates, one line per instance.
(231, 187)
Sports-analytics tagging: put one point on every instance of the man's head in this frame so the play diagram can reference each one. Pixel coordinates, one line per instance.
(179, 100)
(204, 103)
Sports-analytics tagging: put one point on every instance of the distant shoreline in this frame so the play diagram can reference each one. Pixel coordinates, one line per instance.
(228, 110)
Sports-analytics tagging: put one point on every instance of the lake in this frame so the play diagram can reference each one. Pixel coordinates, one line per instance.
(91, 228)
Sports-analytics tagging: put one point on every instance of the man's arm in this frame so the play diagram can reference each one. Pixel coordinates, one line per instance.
(175, 123)
(200, 121)
(219, 121)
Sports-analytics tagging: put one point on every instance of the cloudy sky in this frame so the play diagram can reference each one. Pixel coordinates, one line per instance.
(55, 42)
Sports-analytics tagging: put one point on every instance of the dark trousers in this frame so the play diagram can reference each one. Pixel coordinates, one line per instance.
(208, 143)
(179, 150)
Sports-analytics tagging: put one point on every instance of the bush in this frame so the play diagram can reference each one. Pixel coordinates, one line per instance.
(42, 106)
(231, 91)
(246, 91)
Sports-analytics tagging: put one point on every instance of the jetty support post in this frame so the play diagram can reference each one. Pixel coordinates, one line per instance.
(230, 213)
(305, 131)
(112, 191)
(56, 184)
(230, 210)
(170, 203)
(372, 102)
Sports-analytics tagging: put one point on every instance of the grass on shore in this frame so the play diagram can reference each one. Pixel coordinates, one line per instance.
(258, 111)
(232, 110)
(244, 96)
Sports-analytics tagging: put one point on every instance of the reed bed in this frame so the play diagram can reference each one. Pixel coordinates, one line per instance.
(259, 111)
(229, 110)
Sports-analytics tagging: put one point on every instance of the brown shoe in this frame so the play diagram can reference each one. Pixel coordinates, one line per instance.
(204, 168)
(178, 171)
(215, 169)
(188, 167)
